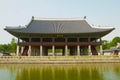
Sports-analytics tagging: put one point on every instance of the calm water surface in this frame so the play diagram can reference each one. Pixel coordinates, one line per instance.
(60, 72)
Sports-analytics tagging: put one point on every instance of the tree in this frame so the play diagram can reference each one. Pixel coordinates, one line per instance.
(105, 44)
(114, 41)
(8, 47)
(12, 45)
(1, 48)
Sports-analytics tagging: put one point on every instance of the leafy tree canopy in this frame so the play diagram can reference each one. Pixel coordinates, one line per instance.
(107, 45)
(9, 47)
(115, 41)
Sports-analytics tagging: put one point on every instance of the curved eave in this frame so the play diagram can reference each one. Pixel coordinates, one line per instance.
(101, 33)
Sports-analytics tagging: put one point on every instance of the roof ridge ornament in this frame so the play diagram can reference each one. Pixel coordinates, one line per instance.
(85, 17)
(32, 17)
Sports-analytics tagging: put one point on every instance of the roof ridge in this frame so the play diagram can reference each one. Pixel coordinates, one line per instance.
(69, 19)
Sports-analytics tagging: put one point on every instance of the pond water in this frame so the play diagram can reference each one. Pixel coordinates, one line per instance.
(60, 71)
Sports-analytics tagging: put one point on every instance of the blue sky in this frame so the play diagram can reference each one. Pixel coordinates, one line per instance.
(98, 12)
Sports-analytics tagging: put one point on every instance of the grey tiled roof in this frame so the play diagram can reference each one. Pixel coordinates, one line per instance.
(111, 50)
(52, 26)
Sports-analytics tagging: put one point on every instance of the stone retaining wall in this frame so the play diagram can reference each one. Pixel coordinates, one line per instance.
(58, 59)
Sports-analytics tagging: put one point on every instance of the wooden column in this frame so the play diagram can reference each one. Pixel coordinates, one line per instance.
(101, 50)
(78, 50)
(41, 47)
(22, 48)
(17, 51)
(66, 50)
(53, 50)
(41, 50)
(89, 47)
(66, 47)
(89, 50)
(29, 51)
(53, 47)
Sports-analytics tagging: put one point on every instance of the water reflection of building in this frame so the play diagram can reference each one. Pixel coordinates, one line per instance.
(67, 36)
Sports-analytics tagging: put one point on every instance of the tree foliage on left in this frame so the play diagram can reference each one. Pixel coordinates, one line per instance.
(10, 47)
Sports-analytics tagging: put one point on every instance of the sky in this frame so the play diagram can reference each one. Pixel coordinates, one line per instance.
(102, 13)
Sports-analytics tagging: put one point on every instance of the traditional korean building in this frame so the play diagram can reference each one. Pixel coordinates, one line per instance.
(43, 37)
